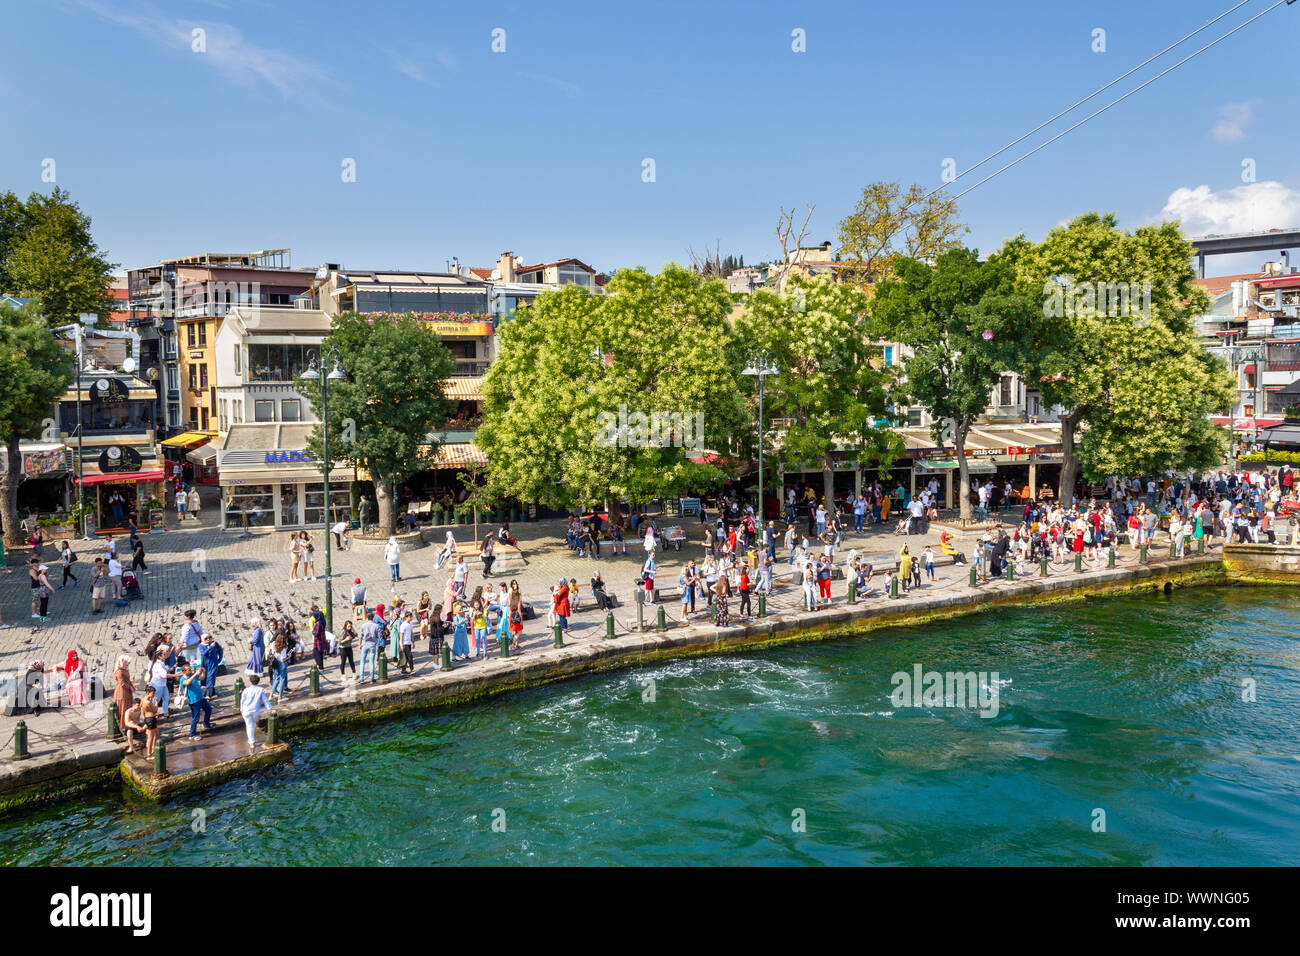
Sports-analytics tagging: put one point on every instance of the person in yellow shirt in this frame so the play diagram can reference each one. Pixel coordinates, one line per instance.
(905, 567)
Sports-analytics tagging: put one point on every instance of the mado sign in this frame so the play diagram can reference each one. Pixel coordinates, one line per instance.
(281, 457)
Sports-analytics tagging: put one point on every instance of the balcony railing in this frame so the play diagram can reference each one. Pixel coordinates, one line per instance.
(468, 367)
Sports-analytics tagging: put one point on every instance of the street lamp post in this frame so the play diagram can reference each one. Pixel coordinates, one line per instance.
(87, 319)
(312, 374)
(760, 367)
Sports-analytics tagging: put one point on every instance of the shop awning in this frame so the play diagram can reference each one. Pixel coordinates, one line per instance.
(189, 439)
(457, 455)
(132, 476)
(463, 388)
(203, 455)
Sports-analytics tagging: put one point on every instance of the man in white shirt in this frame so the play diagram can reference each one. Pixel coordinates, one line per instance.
(115, 576)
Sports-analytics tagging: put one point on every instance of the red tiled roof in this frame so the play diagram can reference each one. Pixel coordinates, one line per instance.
(1213, 285)
(557, 262)
(482, 273)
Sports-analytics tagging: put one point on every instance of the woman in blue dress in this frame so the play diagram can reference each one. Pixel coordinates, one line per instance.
(460, 639)
(256, 648)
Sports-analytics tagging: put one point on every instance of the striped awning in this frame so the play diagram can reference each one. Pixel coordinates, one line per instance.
(463, 388)
(456, 455)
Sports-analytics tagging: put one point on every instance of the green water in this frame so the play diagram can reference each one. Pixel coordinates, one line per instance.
(1132, 706)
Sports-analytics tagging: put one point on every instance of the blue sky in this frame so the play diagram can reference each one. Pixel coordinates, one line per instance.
(460, 151)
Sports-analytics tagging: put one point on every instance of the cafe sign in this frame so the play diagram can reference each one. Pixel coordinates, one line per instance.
(287, 457)
(119, 459)
(108, 390)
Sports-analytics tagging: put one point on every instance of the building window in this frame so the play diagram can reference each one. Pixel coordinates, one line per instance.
(203, 332)
(914, 417)
(194, 417)
(1006, 391)
(203, 375)
(191, 336)
(277, 363)
(205, 419)
(290, 410)
(223, 416)
(170, 339)
(264, 410)
(174, 416)
(173, 380)
(194, 376)
(236, 359)
(575, 275)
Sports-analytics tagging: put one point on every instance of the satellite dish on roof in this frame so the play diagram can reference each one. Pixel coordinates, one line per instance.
(128, 365)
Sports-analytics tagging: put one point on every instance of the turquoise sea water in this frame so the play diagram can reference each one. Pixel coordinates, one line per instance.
(1132, 706)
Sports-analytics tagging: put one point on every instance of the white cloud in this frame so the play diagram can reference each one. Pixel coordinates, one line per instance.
(227, 50)
(1258, 206)
(1233, 118)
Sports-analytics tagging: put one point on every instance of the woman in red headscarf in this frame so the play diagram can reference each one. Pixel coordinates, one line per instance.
(75, 679)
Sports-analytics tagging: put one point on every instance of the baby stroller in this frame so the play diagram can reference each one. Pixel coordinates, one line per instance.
(131, 586)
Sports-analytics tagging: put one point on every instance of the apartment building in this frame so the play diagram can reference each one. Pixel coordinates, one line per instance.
(185, 299)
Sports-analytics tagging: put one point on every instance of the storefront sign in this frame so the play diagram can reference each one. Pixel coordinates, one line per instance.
(284, 457)
(118, 459)
(37, 463)
(108, 390)
(156, 518)
(461, 328)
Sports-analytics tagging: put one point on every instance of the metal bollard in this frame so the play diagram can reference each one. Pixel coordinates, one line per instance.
(1078, 561)
(662, 622)
(504, 641)
(20, 741)
(446, 655)
(1042, 567)
(1110, 557)
(160, 758)
(382, 657)
(239, 689)
(762, 604)
(893, 586)
(853, 592)
(1200, 545)
(114, 730)
(609, 625)
(974, 577)
(272, 729)
(559, 635)
(1142, 554)
(1011, 571)
(313, 681)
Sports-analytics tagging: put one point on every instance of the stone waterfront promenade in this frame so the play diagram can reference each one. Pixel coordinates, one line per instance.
(229, 577)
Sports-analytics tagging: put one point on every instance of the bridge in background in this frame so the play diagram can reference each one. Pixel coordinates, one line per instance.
(1273, 240)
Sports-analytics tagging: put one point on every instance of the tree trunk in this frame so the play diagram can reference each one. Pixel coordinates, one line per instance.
(963, 475)
(828, 484)
(1069, 462)
(387, 517)
(9, 482)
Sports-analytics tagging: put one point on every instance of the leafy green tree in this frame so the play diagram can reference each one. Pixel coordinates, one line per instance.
(36, 371)
(831, 388)
(1134, 384)
(575, 373)
(962, 324)
(47, 252)
(381, 417)
(888, 224)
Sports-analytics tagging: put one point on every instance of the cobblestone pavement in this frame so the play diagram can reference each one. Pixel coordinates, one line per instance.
(228, 577)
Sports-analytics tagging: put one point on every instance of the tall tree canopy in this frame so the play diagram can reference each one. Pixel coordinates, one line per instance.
(381, 417)
(35, 371)
(47, 253)
(888, 224)
(962, 324)
(1136, 387)
(575, 372)
(831, 386)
